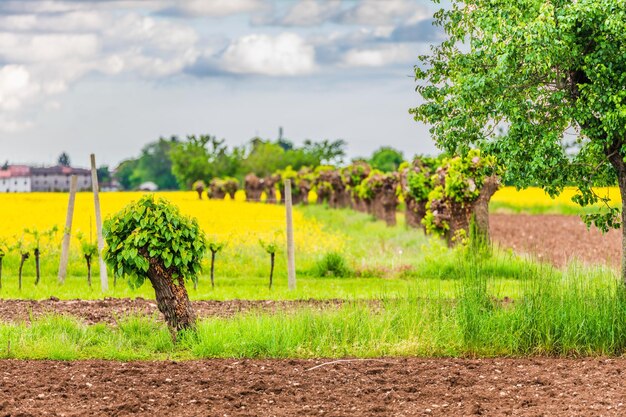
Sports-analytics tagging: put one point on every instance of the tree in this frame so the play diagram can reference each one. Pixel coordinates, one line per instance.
(386, 159)
(551, 74)
(151, 239)
(124, 174)
(326, 151)
(104, 174)
(202, 158)
(155, 164)
(64, 159)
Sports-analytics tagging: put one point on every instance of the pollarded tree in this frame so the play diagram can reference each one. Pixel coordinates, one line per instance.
(461, 190)
(151, 239)
(551, 73)
(415, 185)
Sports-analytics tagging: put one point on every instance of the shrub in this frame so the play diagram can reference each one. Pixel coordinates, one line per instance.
(332, 264)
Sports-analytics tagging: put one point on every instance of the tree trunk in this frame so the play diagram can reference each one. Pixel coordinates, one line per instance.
(481, 207)
(1, 258)
(212, 269)
(459, 222)
(172, 299)
(617, 160)
(37, 270)
(25, 256)
(272, 255)
(88, 260)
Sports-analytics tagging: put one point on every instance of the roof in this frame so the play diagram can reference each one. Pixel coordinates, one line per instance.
(15, 171)
(60, 170)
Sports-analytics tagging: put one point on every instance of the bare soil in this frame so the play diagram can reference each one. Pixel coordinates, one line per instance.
(109, 310)
(556, 239)
(379, 387)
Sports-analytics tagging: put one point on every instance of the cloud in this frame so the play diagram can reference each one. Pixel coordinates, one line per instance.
(305, 13)
(211, 8)
(421, 31)
(379, 56)
(364, 13)
(16, 86)
(28, 48)
(286, 54)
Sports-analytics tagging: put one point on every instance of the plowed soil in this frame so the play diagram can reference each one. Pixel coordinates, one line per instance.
(556, 239)
(110, 309)
(379, 387)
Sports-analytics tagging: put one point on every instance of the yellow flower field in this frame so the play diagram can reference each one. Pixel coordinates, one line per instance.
(235, 222)
(534, 197)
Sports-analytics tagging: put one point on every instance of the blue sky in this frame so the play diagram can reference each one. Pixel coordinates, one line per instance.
(108, 76)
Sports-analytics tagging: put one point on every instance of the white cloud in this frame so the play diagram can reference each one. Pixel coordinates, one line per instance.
(379, 56)
(309, 13)
(285, 54)
(27, 48)
(214, 8)
(380, 13)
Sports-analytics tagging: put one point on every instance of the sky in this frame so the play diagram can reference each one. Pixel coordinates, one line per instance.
(109, 76)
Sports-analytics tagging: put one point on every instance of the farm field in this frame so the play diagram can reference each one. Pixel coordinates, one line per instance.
(383, 387)
(403, 296)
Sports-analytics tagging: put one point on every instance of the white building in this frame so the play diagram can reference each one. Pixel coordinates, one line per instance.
(22, 178)
(15, 179)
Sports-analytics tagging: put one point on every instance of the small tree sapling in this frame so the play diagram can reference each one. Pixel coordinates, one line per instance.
(214, 247)
(89, 249)
(3, 249)
(151, 239)
(23, 249)
(38, 238)
(271, 248)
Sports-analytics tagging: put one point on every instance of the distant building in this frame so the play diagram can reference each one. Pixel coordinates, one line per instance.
(22, 178)
(15, 179)
(58, 178)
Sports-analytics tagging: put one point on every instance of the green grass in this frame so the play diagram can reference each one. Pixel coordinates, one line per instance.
(571, 315)
(378, 261)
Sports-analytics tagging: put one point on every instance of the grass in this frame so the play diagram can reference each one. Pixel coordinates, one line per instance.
(377, 261)
(571, 315)
(435, 302)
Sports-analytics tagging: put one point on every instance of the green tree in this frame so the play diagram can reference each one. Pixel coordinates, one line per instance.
(202, 158)
(551, 73)
(124, 174)
(386, 159)
(151, 239)
(64, 159)
(326, 152)
(155, 164)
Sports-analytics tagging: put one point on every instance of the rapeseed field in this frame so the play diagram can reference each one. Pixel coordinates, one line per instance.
(236, 223)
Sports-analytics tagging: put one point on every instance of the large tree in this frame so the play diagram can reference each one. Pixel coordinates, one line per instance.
(551, 74)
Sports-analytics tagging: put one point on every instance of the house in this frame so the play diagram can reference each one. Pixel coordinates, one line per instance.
(57, 178)
(22, 178)
(15, 179)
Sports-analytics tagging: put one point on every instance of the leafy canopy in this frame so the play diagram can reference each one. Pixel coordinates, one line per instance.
(153, 229)
(551, 73)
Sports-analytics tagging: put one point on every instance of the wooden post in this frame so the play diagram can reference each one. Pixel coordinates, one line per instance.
(104, 282)
(67, 233)
(291, 262)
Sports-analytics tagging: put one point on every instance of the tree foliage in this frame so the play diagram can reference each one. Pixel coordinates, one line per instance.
(551, 73)
(386, 159)
(153, 229)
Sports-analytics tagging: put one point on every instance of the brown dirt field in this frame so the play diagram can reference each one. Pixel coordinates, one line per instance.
(109, 309)
(556, 239)
(379, 387)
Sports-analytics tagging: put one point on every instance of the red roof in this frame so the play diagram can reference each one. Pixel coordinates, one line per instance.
(15, 171)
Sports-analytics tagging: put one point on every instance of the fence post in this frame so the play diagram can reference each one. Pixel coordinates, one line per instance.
(67, 233)
(291, 262)
(104, 282)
